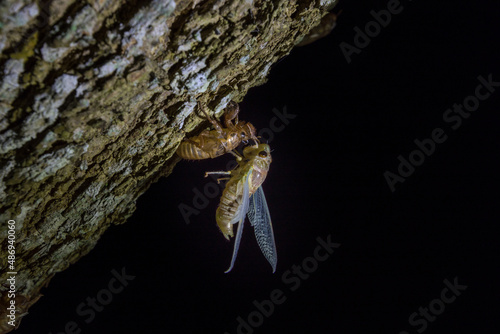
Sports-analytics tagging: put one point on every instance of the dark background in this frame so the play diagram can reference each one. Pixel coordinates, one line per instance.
(327, 178)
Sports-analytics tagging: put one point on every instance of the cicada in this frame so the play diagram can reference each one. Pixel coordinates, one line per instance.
(243, 196)
(221, 140)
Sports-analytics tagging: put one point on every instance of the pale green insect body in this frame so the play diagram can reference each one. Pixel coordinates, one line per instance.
(243, 195)
(253, 166)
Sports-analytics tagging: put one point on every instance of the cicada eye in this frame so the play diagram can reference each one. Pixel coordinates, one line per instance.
(262, 154)
(243, 135)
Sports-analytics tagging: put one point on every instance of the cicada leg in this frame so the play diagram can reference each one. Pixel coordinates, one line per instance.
(216, 124)
(237, 155)
(219, 173)
(223, 179)
(231, 113)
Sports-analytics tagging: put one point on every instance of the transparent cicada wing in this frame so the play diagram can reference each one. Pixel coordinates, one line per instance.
(240, 219)
(260, 218)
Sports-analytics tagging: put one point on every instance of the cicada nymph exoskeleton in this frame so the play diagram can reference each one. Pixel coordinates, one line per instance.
(221, 140)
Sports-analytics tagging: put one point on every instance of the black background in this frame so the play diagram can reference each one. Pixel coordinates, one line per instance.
(327, 178)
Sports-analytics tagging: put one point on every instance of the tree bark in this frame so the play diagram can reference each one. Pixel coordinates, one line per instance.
(95, 97)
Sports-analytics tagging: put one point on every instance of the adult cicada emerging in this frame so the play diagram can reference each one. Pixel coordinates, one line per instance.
(242, 196)
(221, 140)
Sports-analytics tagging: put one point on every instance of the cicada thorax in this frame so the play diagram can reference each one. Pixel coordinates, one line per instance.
(254, 166)
(260, 159)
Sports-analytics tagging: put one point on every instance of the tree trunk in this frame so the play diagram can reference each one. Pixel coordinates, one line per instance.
(95, 98)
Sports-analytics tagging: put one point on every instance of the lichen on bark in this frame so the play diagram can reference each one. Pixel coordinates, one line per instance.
(94, 99)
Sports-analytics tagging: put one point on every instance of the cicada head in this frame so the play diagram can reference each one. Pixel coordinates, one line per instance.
(247, 132)
(259, 151)
(259, 155)
(264, 152)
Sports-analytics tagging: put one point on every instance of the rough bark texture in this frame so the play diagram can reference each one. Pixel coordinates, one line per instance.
(95, 96)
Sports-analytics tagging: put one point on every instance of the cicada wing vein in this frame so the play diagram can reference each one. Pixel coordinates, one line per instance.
(260, 219)
(240, 219)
